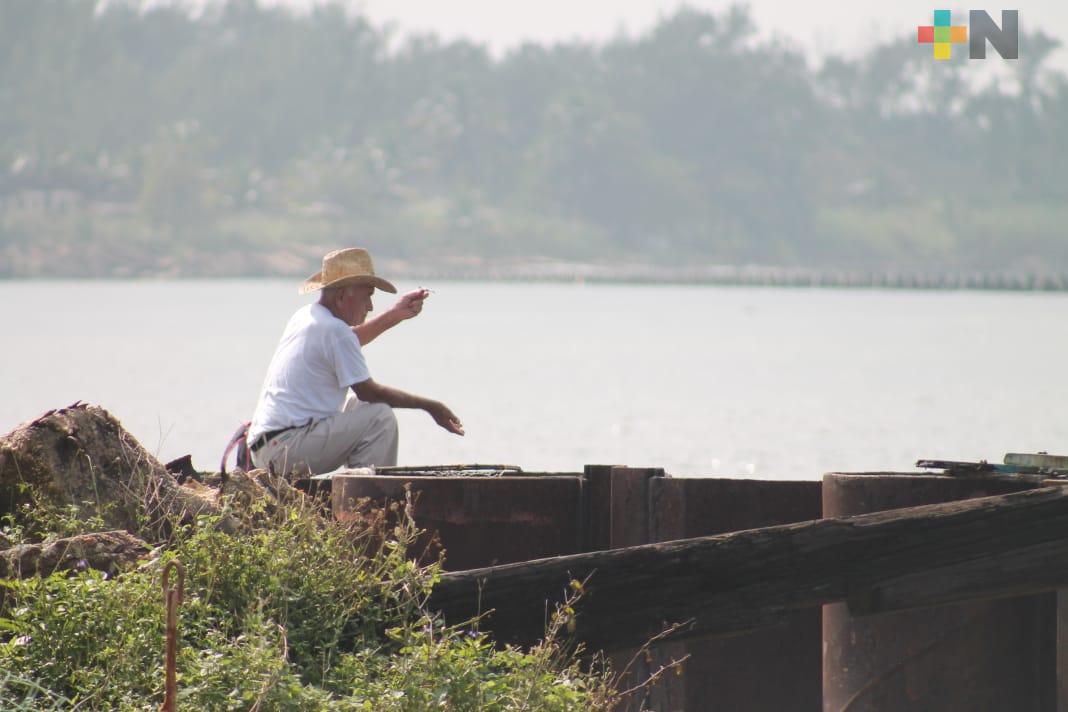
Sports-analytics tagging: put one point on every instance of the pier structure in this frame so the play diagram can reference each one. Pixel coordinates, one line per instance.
(793, 590)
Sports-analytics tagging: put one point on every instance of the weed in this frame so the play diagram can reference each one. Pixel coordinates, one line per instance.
(290, 611)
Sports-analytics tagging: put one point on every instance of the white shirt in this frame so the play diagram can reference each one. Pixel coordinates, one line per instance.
(315, 364)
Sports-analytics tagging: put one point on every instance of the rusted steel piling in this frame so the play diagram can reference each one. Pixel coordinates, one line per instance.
(484, 521)
(734, 671)
(979, 655)
(976, 656)
(481, 521)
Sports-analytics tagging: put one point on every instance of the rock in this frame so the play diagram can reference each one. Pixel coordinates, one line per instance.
(82, 455)
(109, 552)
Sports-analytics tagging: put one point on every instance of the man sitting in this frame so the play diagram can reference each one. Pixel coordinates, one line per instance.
(319, 407)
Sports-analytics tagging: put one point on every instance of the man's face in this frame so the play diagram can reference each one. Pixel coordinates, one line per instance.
(355, 304)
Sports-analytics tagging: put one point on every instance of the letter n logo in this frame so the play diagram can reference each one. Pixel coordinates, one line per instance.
(1005, 39)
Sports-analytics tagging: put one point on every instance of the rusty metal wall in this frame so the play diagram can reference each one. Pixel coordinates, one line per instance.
(984, 656)
(482, 521)
(617, 515)
(1062, 632)
(768, 670)
(1062, 650)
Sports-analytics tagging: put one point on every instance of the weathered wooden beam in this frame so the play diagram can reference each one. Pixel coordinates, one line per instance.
(920, 556)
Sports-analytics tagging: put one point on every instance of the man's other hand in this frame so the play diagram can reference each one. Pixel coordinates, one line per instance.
(411, 303)
(445, 417)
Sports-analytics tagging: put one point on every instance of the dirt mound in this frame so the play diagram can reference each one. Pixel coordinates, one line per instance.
(82, 456)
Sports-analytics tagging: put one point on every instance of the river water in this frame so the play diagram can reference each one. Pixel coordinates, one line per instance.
(719, 381)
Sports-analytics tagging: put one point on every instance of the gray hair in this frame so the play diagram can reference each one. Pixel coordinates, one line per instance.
(329, 294)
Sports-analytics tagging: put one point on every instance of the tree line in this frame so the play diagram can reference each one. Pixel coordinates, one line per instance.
(131, 131)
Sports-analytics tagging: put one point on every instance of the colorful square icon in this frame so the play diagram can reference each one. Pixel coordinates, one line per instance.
(942, 35)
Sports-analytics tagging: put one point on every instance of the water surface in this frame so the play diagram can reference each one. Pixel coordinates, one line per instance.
(776, 383)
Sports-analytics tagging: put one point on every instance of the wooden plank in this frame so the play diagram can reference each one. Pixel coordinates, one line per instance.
(746, 580)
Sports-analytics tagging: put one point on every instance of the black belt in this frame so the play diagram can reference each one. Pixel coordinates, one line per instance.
(267, 437)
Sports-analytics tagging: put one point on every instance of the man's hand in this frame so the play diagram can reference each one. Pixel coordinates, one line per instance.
(445, 417)
(406, 307)
(411, 303)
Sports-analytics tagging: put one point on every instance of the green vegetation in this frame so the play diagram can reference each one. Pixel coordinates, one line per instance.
(248, 139)
(294, 612)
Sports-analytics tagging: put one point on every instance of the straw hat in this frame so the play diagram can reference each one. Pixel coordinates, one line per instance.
(342, 268)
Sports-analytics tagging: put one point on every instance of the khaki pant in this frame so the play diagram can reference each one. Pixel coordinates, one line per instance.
(362, 434)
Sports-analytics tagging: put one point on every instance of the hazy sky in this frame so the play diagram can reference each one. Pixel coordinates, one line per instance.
(818, 26)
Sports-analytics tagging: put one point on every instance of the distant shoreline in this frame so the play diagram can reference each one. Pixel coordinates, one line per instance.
(561, 272)
(761, 276)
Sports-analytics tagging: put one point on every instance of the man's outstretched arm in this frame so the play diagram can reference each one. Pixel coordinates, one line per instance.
(370, 392)
(406, 307)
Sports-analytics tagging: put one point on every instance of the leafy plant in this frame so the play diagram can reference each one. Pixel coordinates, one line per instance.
(291, 612)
